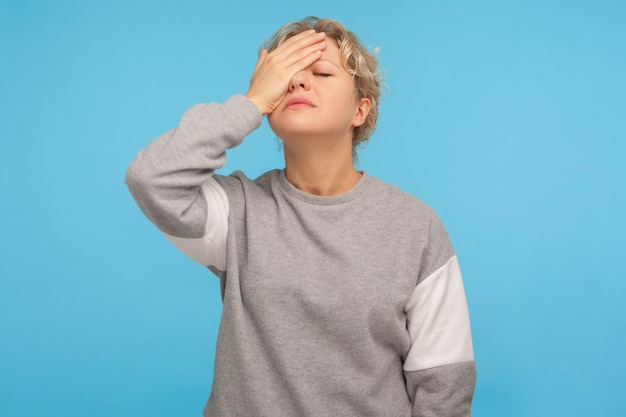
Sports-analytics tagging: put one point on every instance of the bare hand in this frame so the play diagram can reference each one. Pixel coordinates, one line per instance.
(270, 80)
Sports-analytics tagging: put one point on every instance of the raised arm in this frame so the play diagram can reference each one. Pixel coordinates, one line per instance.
(171, 179)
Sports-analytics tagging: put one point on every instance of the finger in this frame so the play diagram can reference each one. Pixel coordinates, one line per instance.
(296, 48)
(299, 58)
(305, 57)
(262, 57)
(298, 42)
(306, 36)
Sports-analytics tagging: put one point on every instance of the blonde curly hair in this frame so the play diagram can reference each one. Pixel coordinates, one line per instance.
(357, 61)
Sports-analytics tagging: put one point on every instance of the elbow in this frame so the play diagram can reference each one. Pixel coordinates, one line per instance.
(136, 179)
(140, 187)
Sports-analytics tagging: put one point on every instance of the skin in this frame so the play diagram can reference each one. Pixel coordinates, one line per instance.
(317, 134)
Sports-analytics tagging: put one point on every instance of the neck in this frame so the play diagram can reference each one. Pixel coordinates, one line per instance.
(323, 172)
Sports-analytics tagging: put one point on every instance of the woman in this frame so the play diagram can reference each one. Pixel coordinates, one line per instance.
(342, 294)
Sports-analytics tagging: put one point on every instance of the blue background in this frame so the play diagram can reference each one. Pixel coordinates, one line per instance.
(508, 117)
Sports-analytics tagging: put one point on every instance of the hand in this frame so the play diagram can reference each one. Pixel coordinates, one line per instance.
(270, 80)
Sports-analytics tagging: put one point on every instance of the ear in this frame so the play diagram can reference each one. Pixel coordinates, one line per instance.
(361, 112)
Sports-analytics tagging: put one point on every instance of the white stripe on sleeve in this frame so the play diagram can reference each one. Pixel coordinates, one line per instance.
(209, 250)
(438, 321)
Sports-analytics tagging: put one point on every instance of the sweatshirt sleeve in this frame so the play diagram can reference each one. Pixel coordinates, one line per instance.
(171, 179)
(439, 369)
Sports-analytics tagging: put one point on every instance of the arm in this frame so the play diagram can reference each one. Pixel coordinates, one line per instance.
(171, 179)
(439, 369)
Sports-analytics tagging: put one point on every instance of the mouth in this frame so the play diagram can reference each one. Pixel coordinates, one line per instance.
(298, 103)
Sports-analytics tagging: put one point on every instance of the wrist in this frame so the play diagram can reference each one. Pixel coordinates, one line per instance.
(258, 103)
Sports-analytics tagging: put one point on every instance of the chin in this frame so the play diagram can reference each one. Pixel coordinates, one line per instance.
(292, 130)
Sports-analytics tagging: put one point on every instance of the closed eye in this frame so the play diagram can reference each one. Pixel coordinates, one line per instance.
(323, 74)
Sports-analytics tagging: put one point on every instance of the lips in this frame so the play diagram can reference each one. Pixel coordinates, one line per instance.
(298, 103)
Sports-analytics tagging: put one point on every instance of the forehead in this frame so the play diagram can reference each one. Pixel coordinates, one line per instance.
(332, 53)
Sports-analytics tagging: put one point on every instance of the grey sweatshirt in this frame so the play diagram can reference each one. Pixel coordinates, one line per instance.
(351, 305)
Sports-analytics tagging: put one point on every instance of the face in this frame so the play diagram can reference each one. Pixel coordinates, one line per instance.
(320, 102)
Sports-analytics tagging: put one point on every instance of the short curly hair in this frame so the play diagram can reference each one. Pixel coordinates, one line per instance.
(357, 61)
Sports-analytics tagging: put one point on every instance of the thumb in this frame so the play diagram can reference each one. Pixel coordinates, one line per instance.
(262, 57)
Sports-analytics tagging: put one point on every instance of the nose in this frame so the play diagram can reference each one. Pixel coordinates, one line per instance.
(299, 80)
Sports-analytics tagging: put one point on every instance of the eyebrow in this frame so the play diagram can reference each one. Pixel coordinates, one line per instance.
(329, 61)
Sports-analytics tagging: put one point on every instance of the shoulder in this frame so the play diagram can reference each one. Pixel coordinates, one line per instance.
(409, 216)
(399, 202)
(239, 187)
(240, 179)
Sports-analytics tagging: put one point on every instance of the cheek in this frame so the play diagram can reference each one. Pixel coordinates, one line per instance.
(271, 120)
(274, 116)
(341, 96)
